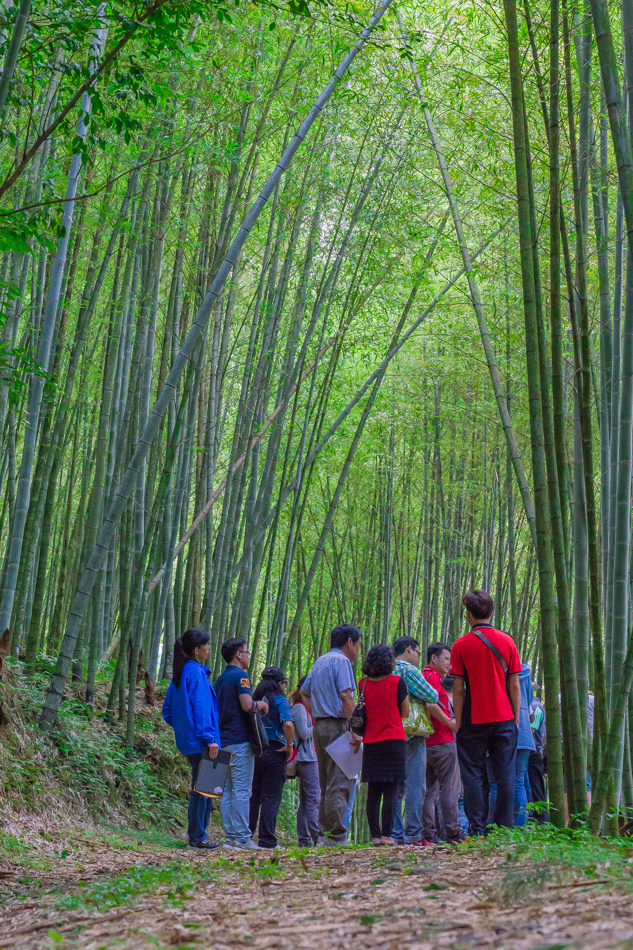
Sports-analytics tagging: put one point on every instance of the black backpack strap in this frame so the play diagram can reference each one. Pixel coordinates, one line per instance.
(493, 649)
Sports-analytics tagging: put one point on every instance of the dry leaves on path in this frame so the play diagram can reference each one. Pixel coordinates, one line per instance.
(325, 899)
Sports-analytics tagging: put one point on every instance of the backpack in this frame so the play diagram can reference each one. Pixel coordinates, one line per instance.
(257, 735)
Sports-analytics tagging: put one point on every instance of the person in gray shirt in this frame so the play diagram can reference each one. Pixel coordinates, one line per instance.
(307, 772)
(328, 695)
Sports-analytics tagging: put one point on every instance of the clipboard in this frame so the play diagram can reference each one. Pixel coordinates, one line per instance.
(211, 777)
(348, 760)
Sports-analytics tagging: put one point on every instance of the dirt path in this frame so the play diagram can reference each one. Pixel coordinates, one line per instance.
(363, 899)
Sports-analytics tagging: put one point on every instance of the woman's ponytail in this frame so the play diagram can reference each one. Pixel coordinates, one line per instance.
(180, 658)
(183, 650)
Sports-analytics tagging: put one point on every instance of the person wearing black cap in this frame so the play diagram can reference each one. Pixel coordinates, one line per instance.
(270, 768)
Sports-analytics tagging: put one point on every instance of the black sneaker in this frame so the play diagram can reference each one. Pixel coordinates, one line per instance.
(206, 845)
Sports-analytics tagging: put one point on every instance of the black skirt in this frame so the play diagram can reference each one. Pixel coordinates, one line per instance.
(384, 761)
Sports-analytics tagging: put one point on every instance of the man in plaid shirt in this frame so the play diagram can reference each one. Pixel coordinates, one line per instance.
(407, 652)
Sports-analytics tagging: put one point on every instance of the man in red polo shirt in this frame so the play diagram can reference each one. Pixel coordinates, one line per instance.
(442, 770)
(487, 701)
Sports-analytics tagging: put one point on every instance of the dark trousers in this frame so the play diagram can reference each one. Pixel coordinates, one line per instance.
(536, 778)
(268, 787)
(200, 806)
(385, 792)
(499, 740)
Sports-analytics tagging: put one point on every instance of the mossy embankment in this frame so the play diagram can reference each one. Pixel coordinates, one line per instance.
(81, 780)
(82, 771)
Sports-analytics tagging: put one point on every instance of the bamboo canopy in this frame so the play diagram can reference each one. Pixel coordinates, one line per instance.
(321, 312)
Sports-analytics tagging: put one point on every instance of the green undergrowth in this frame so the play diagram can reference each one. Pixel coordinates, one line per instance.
(176, 880)
(539, 855)
(82, 767)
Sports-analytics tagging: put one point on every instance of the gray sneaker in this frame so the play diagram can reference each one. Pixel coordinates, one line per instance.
(248, 845)
(324, 842)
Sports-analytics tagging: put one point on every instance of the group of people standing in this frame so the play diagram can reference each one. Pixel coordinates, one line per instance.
(208, 717)
(445, 748)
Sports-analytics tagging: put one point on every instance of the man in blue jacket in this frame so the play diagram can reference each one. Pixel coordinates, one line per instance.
(191, 709)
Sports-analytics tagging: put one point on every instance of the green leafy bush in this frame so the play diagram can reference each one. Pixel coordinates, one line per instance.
(538, 853)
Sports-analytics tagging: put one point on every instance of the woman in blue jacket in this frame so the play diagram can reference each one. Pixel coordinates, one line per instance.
(191, 709)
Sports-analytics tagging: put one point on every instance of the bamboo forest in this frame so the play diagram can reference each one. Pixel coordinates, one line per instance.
(312, 312)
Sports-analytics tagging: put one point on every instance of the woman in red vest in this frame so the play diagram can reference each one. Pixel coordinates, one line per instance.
(386, 705)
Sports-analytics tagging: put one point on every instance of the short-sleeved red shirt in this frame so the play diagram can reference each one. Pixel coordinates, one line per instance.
(441, 733)
(486, 694)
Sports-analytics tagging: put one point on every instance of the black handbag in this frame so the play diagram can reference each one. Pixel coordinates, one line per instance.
(257, 735)
(358, 719)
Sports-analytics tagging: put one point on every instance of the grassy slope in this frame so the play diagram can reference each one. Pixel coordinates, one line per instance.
(82, 769)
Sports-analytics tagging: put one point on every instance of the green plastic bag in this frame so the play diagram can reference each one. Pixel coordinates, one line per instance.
(418, 722)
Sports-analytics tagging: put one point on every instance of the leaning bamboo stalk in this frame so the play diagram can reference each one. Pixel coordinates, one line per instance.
(202, 514)
(484, 332)
(394, 350)
(82, 597)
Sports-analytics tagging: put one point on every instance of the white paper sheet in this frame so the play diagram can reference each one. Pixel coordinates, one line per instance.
(348, 760)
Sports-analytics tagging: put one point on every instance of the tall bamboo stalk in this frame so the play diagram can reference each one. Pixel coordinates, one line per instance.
(544, 554)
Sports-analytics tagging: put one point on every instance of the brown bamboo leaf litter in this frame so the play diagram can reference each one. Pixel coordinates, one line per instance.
(361, 898)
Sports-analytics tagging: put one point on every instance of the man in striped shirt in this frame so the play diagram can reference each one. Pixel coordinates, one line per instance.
(407, 652)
